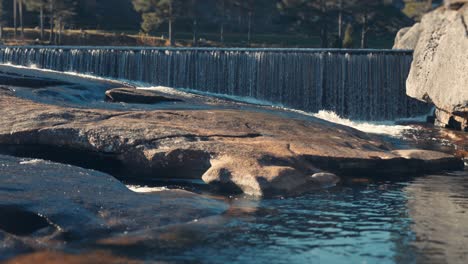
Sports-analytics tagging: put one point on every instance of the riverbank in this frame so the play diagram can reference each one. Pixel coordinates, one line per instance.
(183, 39)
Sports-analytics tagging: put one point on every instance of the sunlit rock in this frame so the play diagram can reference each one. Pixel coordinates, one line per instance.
(439, 70)
(246, 151)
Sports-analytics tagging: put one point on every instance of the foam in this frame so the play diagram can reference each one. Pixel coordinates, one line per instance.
(146, 189)
(32, 162)
(386, 127)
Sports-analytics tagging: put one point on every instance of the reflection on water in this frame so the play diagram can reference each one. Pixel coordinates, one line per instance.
(420, 221)
(345, 225)
(438, 206)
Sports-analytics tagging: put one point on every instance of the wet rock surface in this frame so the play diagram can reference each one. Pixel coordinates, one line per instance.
(16, 80)
(137, 96)
(438, 73)
(242, 151)
(45, 205)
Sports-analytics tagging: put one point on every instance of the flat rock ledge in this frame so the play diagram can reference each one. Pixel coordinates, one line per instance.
(137, 96)
(439, 70)
(250, 152)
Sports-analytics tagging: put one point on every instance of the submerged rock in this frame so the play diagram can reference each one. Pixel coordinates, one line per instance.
(137, 96)
(45, 204)
(245, 151)
(439, 71)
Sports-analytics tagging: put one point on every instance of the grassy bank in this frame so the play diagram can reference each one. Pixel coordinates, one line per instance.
(183, 39)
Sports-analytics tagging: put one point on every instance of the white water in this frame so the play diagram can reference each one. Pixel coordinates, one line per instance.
(146, 189)
(32, 161)
(384, 128)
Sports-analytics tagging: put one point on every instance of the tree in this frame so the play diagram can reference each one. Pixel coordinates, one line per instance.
(156, 12)
(348, 37)
(222, 7)
(250, 12)
(60, 11)
(194, 15)
(38, 6)
(311, 14)
(324, 24)
(18, 11)
(364, 31)
(2, 19)
(366, 13)
(247, 9)
(340, 23)
(15, 14)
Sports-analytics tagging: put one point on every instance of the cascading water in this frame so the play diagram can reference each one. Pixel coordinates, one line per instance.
(357, 84)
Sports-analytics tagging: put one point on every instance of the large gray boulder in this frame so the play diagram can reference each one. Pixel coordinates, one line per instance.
(439, 73)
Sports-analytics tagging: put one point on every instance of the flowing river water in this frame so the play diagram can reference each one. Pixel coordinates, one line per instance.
(422, 220)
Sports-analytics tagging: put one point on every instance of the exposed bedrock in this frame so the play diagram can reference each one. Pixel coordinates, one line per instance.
(439, 70)
(251, 152)
(44, 205)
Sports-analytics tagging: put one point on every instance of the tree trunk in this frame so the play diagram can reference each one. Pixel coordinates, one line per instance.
(171, 20)
(51, 32)
(364, 33)
(195, 32)
(15, 23)
(249, 32)
(221, 33)
(20, 3)
(324, 30)
(223, 15)
(60, 31)
(340, 25)
(171, 33)
(194, 22)
(41, 21)
(52, 21)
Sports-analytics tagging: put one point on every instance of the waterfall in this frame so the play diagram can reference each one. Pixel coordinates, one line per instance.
(357, 84)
